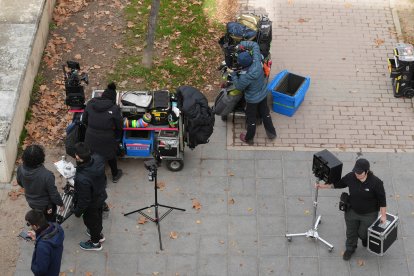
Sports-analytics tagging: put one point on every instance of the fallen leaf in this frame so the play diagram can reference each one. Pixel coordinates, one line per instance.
(348, 5)
(196, 204)
(142, 220)
(222, 242)
(173, 235)
(198, 221)
(307, 212)
(231, 173)
(161, 185)
(78, 56)
(96, 66)
(231, 201)
(361, 262)
(301, 199)
(249, 209)
(155, 273)
(130, 24)
(88, 273)
(379, 42)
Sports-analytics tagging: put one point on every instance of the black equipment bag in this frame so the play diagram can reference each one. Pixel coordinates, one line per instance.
(264, 37)
(344, 204)
(75, 132)
(199, 118)
(160, 107)
(225, 103)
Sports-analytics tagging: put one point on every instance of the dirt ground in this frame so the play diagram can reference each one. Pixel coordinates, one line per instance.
(90, 34)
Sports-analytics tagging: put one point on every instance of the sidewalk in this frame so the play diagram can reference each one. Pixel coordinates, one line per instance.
(343, 47)
(250, 197)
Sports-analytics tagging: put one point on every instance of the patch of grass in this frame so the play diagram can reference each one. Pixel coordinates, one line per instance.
(52, 26)
(38, 81)
(182, 29)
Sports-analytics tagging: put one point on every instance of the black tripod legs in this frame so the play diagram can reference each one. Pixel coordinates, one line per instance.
(157, 218)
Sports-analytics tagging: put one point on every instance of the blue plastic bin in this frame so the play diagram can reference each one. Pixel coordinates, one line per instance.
(288, 91)
(138, 142)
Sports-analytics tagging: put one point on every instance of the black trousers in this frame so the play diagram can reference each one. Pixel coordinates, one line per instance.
(357, 227)
(251, 113)
(92, 218)
(114, 166)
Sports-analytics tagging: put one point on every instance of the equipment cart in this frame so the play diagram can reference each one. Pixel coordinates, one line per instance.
(152, 126)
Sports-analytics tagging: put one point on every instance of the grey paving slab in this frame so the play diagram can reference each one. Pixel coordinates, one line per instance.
(304, 266)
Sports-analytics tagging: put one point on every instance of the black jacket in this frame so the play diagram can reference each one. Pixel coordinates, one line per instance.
(39, 187)
(90, 184)
(364, 197)
(104, 127)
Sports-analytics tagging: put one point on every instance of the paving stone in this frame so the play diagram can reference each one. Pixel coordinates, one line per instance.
(242, 245)
(269, 205)
(274, 265)
(271, 225)
(241, 205)
(270, 187)
(243, 265)
(268, 169)
(152, 264)
(303, 266)
(119, 264)
(182, 265)
(241, 168)
(213, 265)
(369, 267)
(333, 266)
(273, 246)
(295, 186)
(214, 184)
(213, 244)
(91, 262)
(242, 186)
(214, 150)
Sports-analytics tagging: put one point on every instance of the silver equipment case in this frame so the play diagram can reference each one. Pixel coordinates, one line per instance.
(382, 236)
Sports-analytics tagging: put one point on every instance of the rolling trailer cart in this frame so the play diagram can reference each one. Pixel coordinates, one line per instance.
(155, 137)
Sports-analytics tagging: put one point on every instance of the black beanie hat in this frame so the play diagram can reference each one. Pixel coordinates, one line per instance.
(110, 92)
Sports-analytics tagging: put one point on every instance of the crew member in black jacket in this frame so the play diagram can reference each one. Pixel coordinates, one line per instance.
(38, 183)
(366, 197)
(104, 128)
(90, 194)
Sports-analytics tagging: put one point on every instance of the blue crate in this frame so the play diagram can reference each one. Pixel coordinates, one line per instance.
(138, 143)
(288, 91)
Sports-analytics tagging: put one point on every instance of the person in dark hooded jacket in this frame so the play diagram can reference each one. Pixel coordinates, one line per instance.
(90, 194)
(251, 81)
(48, 237)
(103, 119)
(38, 182)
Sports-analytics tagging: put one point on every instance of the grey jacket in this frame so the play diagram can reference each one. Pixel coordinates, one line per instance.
(39, 186)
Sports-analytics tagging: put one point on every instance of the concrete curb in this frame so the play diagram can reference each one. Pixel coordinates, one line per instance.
(396, 20)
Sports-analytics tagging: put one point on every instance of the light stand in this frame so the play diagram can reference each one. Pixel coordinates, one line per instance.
(313, 232)
(152, 175)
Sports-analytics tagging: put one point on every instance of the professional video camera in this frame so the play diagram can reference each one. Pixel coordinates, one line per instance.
(401, 69)
(152, 166)
(75, 95)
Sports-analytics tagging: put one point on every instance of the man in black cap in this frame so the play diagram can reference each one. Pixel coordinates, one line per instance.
(104, 128)
(366, 198)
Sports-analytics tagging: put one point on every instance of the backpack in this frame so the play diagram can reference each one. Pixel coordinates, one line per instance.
(264, 37)
(198, 116)
(75, 132)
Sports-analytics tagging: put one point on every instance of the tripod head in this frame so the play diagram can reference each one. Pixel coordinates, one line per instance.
(151, 166)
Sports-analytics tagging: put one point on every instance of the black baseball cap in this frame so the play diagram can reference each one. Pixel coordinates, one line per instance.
(361, 165)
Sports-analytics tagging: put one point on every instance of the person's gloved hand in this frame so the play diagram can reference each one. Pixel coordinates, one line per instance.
(229, 70)
(240, 48)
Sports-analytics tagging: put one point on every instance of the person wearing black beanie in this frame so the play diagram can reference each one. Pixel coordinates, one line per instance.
(103, 119)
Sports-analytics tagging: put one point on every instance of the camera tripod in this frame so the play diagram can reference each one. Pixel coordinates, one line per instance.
(313, 232)
(153, 176)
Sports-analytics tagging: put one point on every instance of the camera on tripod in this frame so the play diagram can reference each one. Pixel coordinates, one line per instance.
(151, 166)
(401, 69)
(75, 94)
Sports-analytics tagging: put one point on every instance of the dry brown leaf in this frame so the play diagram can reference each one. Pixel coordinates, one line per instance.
(221, 242)
(379, 42)
(78, 56)
(348, 5)
(231, 201)
(307, 212)
(196, 204)
(301, 199)
(142, 220)
(161, 185)
(231, 173)
(156, 273)
(130, 24)
(361, 262)
(88, 273)
(62, 273)
(173, 235)
(198, 221)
